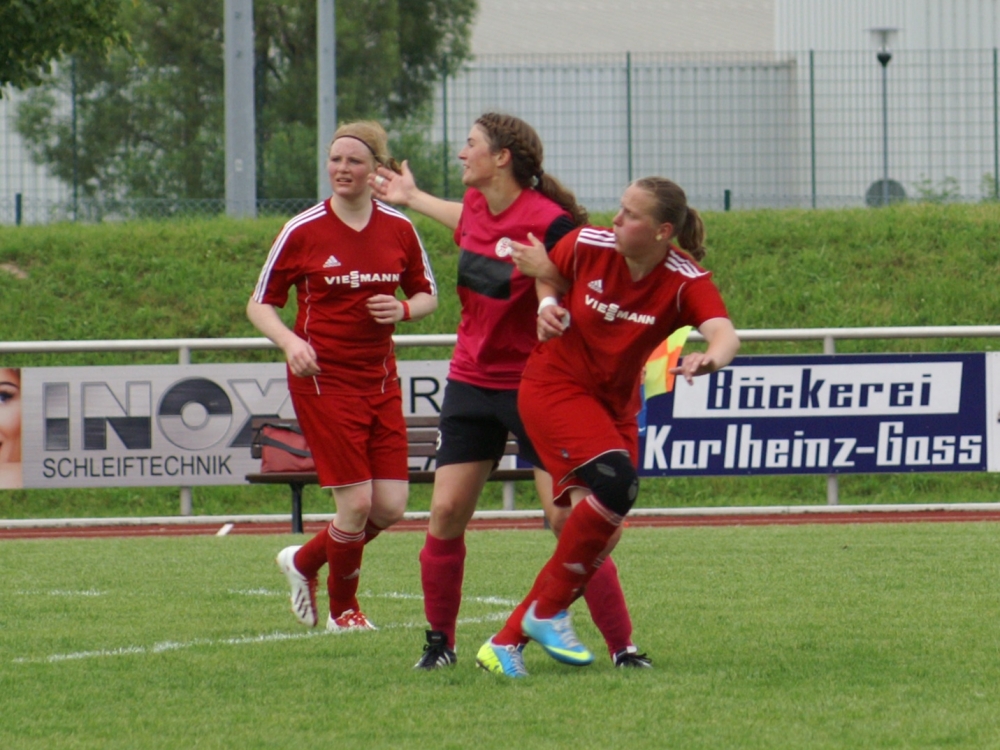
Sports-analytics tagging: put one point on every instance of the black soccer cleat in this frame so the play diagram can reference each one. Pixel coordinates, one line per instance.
(630, 658)
(436, 652)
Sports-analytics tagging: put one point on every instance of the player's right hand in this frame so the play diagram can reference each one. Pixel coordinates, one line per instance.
(552, 322)
(301, 358)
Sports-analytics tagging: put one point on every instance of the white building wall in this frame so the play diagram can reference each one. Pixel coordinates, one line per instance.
(924, 24)
(940, 83)
(504, 27)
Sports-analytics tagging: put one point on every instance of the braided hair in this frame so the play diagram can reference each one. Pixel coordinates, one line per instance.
(525, 147)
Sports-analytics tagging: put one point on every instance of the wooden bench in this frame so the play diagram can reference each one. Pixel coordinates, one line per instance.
(421, 436)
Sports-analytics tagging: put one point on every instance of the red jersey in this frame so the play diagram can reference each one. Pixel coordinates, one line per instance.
(335, 270)
(615, 322)
(497, 330)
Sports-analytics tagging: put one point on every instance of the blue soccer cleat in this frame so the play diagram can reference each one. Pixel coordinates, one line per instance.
(556, 636)
(502, 660)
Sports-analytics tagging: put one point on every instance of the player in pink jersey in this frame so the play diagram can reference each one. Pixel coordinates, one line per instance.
(623, 291)
(509, 198)
(346, 257)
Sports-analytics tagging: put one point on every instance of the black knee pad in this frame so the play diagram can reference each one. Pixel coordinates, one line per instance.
(613, 480)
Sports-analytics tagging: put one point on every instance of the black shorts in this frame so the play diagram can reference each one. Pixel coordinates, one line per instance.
(474, 425)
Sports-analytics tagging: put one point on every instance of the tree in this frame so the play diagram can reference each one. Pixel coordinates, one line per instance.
(37, 32)
(150, 122)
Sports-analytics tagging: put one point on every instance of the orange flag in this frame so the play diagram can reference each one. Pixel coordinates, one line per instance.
(658, 380)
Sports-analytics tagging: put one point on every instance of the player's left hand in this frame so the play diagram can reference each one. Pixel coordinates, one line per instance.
(385, 309)
(531, 258)
(693, 365)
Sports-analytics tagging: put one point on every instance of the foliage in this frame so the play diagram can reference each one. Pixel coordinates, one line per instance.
(988, 188)
(151, 124)
(38, 32)
(948, 189)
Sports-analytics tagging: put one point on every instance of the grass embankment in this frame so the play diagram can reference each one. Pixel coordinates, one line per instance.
(904, 266)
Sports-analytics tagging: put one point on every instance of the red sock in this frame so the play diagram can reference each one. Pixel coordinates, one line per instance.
(606, 602)
(343, 552)
(587, 531)
(442, 567)
(510, 634)
(312, 556)
(372, 531)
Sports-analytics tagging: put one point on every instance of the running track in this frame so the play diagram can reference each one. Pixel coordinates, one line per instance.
(785, 515)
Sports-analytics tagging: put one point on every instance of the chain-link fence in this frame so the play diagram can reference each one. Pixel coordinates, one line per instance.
(815, 129)
(745, 131)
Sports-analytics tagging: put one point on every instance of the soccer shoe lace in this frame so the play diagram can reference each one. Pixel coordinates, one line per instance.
(502, 660)
(630, 658)
(303, 589)
(557, 637)
(436, 652)
(349, 620)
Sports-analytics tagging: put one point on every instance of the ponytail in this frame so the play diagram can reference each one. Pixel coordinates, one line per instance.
(691, 235)
(555, 191)
(672, 208)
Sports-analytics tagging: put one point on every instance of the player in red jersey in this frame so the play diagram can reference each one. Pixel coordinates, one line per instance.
(346, 257)
(509, 198)
(623, 291)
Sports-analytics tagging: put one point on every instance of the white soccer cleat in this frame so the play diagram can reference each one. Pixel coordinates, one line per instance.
(303, 589)
(349, 620)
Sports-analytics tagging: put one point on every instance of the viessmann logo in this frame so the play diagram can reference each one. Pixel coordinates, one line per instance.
(611, 311)
(355, 279)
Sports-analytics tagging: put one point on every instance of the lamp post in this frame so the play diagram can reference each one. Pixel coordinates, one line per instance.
(882, 36)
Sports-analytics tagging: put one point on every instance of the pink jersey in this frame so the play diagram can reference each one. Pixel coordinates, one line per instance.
(497, 330)
(615, 322)
(335, 270)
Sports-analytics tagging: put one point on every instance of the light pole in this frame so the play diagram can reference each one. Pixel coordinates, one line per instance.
(883, 36)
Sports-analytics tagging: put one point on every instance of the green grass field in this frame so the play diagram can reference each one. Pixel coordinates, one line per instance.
(818, 636)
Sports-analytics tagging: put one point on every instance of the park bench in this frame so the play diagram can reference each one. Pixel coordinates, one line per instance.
(421, 437)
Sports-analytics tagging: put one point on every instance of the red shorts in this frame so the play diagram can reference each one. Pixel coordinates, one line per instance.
(569, 427)
(354, 439)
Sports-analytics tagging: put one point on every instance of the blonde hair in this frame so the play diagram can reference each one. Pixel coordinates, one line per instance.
(672, 207)
(373, 135)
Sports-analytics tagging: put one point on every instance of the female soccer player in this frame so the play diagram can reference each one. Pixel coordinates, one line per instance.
(346, 257)
(623, 291)
(509, 196)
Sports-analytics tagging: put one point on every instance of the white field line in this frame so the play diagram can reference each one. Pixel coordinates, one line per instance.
(499, 601)
(498, 514)
(165, 646)
(60, 592)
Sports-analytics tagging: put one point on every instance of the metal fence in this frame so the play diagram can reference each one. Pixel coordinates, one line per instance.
(812, 129)
(742, 131)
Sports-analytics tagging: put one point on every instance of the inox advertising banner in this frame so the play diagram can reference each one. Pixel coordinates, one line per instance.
(826, 414)
(171, 425)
